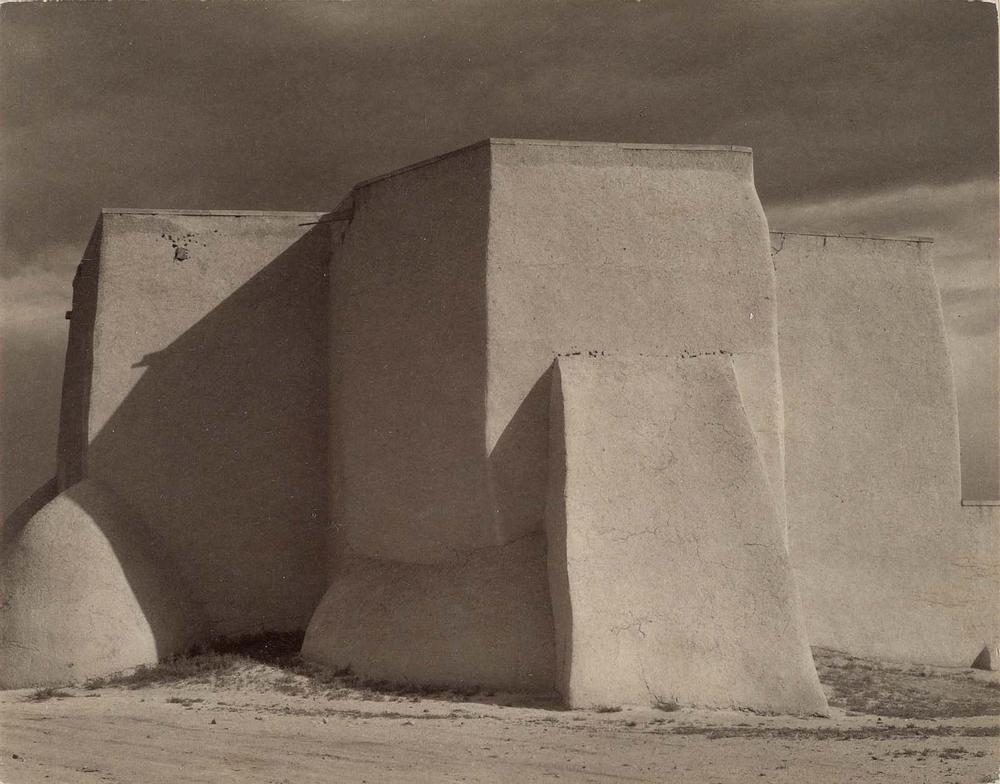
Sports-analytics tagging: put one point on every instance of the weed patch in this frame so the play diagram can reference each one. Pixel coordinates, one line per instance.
(47, 693)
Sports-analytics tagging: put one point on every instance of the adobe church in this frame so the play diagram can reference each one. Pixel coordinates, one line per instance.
(531, 416)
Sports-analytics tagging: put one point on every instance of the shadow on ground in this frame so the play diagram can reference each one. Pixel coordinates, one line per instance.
(271, 662)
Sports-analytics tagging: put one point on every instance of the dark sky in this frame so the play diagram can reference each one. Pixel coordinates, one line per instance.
(864, 115)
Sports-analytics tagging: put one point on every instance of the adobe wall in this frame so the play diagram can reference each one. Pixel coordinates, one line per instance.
(456, 282)
(668, 568)
(980, 569)
(482, 620)
(78, 370)
(208, 402)
(409, 364)
(86, 590)
(459, 279)
(887, 565)
(615, 248)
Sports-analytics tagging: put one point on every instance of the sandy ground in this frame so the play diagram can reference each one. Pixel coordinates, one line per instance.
(255, 722)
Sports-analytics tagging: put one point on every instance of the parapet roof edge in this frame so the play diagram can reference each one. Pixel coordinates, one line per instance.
(555, 143)
(215, 213)
(852, 236)
(625, 145)
(988, 502)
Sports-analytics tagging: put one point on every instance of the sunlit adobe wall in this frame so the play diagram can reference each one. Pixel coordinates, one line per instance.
(641, 249)
(886, 562)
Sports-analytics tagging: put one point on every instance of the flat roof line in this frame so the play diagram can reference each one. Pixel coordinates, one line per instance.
(214, 213)
(966, 502)
(626, 145)
(419, 164)
(555, 143)
(852, 236)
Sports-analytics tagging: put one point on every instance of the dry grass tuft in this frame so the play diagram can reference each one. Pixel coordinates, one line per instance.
(864, 686)
(47, 693)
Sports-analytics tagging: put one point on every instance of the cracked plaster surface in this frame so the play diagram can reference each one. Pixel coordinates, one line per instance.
(679, 590)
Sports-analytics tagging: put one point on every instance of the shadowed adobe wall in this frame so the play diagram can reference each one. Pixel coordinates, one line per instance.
(409, 310)
(78, 370)
(668, 568)
(617, 248)
(887, 564)
(208, 403)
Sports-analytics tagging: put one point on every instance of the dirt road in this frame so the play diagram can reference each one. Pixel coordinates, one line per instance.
(261, 724)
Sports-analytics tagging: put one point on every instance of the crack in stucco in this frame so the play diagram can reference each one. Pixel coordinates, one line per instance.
(634, 624)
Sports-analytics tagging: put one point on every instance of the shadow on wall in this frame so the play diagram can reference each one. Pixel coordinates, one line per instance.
(79, 367)
(21, 515)
(168, 604)
(410, 300)
(519, 466)
(86, 590)
(221, 447)
(557, 564)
